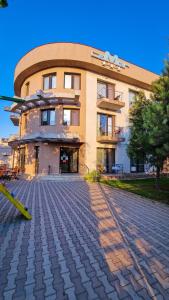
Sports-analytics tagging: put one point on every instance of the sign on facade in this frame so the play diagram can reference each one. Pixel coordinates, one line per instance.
(110, 60)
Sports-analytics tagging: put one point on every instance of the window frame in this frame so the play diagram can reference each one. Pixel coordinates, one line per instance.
(103, 82)
(105, 154)
(107, 88)
(25, 121)
(27, 88)
(50, 75)
(107, 124)
(72, 80)
(48, 110)
(135, 93)
(71, 109)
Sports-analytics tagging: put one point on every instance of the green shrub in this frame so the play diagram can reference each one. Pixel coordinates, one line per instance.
(93, 176)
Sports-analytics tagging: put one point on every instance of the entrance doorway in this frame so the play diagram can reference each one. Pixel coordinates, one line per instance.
(69, 158)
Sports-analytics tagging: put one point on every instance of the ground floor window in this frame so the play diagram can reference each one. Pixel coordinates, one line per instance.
(137, 165)
(105, 159)
(69, 160)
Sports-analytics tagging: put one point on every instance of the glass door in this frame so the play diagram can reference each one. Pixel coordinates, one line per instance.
(105, 159)
(69, 160)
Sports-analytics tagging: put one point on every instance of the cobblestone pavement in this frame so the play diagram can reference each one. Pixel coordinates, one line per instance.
(85, 241)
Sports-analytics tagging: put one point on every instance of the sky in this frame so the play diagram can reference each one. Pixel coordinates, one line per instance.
(137, 31)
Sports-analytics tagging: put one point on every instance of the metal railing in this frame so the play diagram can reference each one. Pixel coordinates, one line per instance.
(117, 169)
(117, 132)
(85, 167)
(109, 93)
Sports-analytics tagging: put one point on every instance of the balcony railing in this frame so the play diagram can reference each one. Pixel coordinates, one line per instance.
(117, 136)
(108, 98)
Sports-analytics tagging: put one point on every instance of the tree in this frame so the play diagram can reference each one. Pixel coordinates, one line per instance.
(136, 147)
(160, 87)
(3, 3)
(156, 120)
(157, 145)
(150, 124)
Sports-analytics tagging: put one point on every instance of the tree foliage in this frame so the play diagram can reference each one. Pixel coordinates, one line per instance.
(3, 3)
(136, 147)
(149, 134)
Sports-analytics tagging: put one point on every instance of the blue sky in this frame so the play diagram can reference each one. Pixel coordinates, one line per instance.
(135, 31)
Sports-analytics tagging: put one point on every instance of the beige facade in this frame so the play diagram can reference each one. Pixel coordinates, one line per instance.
(75, 145)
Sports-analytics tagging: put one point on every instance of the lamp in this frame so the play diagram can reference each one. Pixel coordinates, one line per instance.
(3, 3)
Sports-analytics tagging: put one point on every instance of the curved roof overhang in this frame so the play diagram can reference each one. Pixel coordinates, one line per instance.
(72, 142)
(77, 56)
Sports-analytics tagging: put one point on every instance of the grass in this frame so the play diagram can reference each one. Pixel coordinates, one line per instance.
(144, 187)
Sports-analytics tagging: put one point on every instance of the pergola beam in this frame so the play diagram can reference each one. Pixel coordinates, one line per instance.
(12, 99)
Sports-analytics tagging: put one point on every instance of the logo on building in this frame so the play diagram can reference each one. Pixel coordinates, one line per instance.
(109, 60)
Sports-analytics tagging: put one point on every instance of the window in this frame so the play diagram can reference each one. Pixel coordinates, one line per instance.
(104, 125)
(132, 96)
(71, 117)
(105, 159)
(25, 121)
(101, 90)
(72, 81)
(137, 165)
(48, 117)
(49, 81)
(105, 90)
(27, 89)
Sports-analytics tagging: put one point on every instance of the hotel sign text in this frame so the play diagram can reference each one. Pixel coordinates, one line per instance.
(110, 60)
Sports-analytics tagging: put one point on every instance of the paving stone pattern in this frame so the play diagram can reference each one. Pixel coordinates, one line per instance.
(85, 241)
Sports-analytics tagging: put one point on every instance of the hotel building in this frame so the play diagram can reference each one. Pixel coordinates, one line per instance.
(75, 116)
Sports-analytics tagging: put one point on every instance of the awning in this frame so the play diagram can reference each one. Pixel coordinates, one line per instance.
(67, 138)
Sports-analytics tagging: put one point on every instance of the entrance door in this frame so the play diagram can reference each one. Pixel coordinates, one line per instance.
(69, 160)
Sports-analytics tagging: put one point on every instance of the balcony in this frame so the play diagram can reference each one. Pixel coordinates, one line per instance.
(114, 101)
(115, 138)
